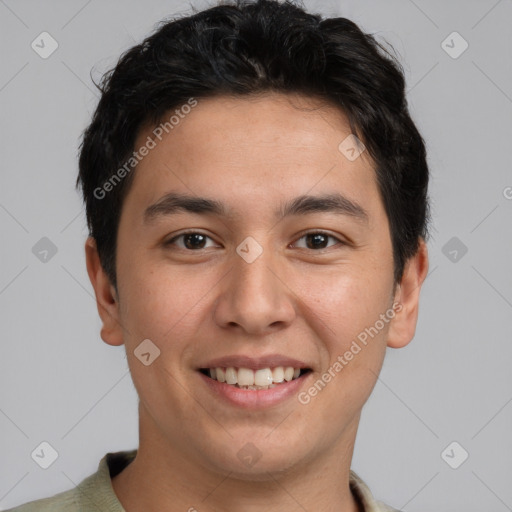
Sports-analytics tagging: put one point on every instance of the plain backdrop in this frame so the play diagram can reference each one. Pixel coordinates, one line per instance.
(61, 384)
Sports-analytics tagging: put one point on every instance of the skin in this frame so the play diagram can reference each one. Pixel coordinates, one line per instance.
(303, 302)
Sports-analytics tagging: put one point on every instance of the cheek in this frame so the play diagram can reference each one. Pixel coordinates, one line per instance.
(139, 298)
(345, 313)
(164, 305)
(345, 301)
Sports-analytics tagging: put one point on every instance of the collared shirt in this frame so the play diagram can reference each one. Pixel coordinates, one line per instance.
(96, 494)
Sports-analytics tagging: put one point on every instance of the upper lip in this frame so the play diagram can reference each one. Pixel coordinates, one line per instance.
(254, 363)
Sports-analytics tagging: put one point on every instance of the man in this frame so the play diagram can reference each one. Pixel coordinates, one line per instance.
(256, 195)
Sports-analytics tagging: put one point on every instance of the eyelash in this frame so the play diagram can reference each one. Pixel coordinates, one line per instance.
(318, 232)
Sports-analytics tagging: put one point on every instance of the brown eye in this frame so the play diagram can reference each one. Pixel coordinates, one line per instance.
(190, 241)
(318, 240)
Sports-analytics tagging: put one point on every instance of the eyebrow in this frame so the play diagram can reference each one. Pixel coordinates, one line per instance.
(173, 203)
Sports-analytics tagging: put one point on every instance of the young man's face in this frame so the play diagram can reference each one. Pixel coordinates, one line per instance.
(298, 300)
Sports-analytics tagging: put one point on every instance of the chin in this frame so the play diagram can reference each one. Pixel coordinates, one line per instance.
(262, 470)
(258, 460)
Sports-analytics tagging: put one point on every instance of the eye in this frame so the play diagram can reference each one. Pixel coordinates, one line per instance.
(192, 240)
(318, 239)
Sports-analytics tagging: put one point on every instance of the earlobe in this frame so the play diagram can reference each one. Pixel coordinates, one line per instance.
(403, 325)
(106, 300)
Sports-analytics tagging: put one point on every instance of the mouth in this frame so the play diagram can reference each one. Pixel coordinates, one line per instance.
(260, 379)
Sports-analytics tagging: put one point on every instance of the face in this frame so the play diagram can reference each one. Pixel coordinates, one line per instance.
(235, 283)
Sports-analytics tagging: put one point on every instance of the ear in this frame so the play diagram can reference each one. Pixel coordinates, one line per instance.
(407, 295)
(106, 297)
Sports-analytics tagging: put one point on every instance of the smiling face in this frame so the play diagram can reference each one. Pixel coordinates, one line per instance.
(271, 273)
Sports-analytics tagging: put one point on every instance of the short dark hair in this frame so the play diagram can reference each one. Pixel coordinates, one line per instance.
(242, 48)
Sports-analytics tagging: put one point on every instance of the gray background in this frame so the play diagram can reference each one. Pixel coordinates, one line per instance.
(61, 384)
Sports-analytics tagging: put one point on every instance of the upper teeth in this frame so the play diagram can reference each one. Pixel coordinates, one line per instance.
(248, 377)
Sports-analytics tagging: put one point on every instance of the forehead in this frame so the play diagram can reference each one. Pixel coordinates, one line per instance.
(259, 148)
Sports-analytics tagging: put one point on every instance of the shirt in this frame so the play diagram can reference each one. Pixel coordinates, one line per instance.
(96, 494)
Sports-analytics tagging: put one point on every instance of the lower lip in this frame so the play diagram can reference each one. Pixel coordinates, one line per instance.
(255, 398)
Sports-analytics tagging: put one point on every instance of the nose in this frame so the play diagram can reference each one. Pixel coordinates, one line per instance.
(255, 297)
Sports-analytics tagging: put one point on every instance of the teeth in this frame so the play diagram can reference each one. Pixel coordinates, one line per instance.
(221, 374)
(278, 374)
(231, 376)
(262, 377)
(288, 373)
(245, 378)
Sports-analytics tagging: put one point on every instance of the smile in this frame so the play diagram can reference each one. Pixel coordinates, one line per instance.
(246, 378)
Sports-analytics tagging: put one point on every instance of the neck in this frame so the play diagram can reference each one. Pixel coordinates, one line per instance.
(166, 477)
